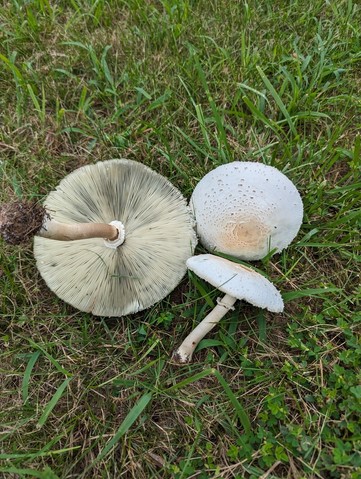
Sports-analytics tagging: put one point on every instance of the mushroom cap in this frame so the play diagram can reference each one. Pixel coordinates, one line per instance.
(237, 281)
(246, 210)
(159, 230)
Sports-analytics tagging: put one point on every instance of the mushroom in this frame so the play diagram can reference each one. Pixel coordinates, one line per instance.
(113, 238)
(246, 210)
(237, 282)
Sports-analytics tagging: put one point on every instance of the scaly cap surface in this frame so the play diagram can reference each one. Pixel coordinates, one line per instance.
(246, 209)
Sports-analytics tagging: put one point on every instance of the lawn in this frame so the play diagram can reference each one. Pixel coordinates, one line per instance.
(184, 86)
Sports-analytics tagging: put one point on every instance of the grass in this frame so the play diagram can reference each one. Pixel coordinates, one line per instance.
(184, 86)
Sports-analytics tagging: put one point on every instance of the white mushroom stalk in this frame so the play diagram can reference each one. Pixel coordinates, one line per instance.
(70, 232)
(21, 220)
(238, 282)
(59, 231)
(185, 351)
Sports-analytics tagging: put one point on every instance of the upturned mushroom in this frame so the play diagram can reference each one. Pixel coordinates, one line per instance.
(246, 209)
(112, 239)
(237, 282)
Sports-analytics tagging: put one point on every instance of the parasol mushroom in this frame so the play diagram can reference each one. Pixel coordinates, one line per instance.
(237, 282)
(113, 239)
(246, 209)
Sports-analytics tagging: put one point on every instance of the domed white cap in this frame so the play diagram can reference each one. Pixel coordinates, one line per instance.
(237, 281)
(246, 209)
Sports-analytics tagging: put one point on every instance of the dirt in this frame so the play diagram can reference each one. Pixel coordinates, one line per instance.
(20, 221)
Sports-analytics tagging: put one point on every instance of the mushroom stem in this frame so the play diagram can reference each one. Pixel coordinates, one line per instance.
(185, 351)
(65, 232)
(21, 220)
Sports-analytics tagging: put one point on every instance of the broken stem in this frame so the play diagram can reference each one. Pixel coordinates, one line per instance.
(185, 351)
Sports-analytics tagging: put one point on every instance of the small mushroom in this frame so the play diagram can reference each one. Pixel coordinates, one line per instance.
(237, 282)
(113, 238)
(246, 209)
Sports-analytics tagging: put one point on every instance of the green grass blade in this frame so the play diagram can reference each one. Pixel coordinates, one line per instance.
(243, 86)
(356, 156)
(203, 127)
(209, 343)
(53, 402)
(258, 115)
(241, 413)
(76, 44)
(262, 325)
(27, 374)
(277, 99)
(34, 99)
(315, 292)
(16, 72)
(223, 142)
(191, 379)
(50, 357)
(129, 420)
(160, 101)
(41, 453)
(195, 145)
(46, 474)
(202, 291)
(105, 67)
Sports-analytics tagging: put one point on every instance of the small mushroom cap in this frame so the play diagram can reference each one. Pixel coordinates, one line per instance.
(159, 237)
(237, 281)
(246, 210)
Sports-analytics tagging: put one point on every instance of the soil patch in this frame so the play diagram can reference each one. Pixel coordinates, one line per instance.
(20, 221)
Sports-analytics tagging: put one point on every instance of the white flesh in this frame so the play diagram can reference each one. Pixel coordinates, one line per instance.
(185, 351)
